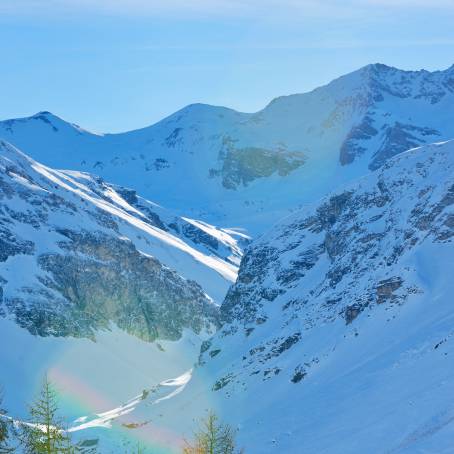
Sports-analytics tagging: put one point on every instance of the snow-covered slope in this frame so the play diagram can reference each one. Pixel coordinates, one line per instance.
(100, 383)
(78, 253)
(338, 334)
(249, 169)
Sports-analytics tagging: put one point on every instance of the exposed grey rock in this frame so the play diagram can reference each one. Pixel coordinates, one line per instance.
(351, 147)
(399, 138)
(241, 166)
(11, 244)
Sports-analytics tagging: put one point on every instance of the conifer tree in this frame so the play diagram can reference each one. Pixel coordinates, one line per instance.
(44, 432)
(6, 428)
(213, 437)
(140, 449)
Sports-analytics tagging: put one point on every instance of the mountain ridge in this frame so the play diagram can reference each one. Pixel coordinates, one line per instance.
(372, 68)
(216, 164)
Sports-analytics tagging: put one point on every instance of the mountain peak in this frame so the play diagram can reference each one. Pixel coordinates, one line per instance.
(51, 121)
(46, 116)
(44, 112)
(382, 80)
(380, 69)
(379, 78)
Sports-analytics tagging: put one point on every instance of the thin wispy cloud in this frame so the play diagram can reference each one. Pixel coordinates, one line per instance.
(334, 44)
(214, 7)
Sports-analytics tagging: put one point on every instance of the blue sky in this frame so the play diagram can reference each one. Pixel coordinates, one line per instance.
(114, 65)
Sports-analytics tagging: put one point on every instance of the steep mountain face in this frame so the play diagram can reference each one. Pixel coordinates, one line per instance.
(249, 169)
(350, 247)
(338, 333)
(79, 254)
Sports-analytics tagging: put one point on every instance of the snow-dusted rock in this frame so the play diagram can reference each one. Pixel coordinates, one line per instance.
(79, 254)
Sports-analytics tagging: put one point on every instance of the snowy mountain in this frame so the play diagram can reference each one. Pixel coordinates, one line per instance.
(79, 254)
(335, 328)
(338, 334)
(233, 168)
(97, 282)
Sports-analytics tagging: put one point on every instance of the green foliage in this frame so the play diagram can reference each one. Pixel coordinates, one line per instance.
(6, 429)
(44, 432)
(213, 437)
(140, 449)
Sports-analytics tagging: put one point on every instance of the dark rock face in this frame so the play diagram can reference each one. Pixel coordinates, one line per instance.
(425, 213)
(106, 279)
(351, 147)
(130, 195)
(103, 280)
(241, 166)
(399, 138)
(222, 382)
(390, 140)
(351, 312)
(298, 375)
(200, 237)
(11, 244)
(252, 270)
(174, 138)
(385, 289)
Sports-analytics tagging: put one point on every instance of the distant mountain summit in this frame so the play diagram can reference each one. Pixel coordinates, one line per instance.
(233, 168)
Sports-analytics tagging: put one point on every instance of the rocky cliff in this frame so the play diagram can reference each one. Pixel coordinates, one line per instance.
(79, 254)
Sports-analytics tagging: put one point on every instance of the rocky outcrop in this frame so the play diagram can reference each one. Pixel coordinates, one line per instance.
(241, 166)
(352, 147)
(99, 280)
(11, 244)
(399, 138)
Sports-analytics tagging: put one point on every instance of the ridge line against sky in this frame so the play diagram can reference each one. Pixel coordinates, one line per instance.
(117, 65)
(80, 125)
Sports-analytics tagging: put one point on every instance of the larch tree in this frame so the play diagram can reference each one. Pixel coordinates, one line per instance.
(6, 429)
(213, 437)
(44, 432)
